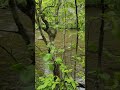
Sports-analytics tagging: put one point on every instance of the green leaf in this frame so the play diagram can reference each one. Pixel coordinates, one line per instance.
(51, 67)
(73, 84)
(61, 50)
(53, 86)
(47, 57)
(58, 60)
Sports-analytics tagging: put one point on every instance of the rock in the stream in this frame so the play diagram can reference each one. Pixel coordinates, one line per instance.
(81, 88)
(81, 85)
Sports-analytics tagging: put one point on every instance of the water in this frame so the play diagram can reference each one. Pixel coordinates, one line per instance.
(81, 88)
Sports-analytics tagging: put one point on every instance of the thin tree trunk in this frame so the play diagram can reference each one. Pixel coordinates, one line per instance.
(50, 33)
(76, 10)
(38, 22)
(56, 70)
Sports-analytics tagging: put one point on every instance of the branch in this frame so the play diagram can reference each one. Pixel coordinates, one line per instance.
(77, 39)
(46, 8)
(39, 26)
(51, 34)
(45, 22)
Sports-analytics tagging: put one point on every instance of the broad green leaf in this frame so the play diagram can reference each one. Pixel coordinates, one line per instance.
(51, 67)
(73, 84)
(58, 60)
(47, 57)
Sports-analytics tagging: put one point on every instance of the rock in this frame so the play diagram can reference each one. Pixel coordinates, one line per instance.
(81, 83)
(81, 88)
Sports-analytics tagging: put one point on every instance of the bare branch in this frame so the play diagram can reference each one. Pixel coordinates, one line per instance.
(39, 27)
